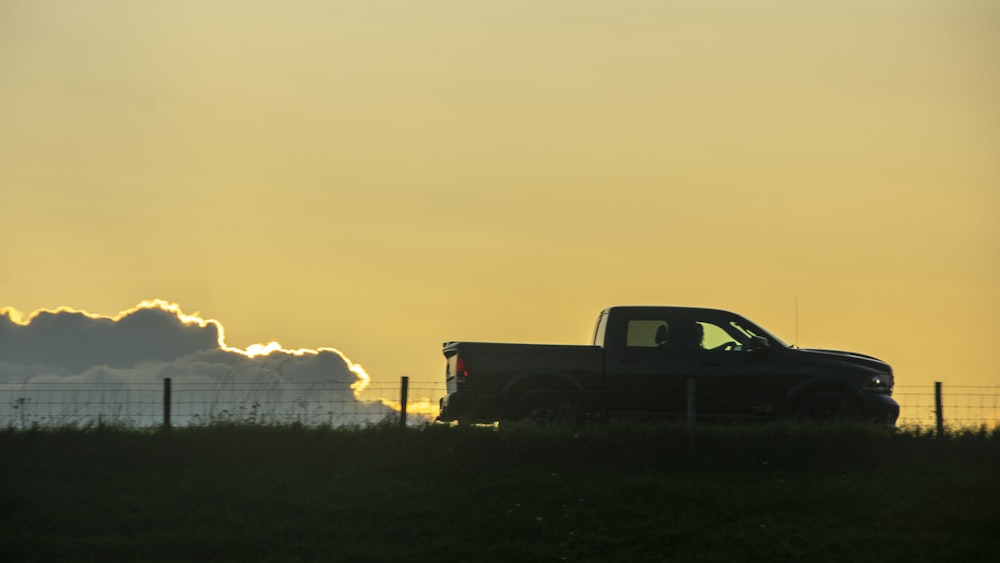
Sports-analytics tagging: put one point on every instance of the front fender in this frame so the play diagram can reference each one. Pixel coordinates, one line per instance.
(818, 385)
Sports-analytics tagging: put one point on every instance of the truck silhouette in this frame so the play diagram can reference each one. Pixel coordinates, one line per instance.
(664, 362)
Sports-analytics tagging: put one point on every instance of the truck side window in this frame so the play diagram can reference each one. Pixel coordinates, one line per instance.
(713, 336)
(647, 333)
(718, 336)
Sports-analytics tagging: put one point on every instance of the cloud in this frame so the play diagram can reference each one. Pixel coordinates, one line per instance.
(66, 366)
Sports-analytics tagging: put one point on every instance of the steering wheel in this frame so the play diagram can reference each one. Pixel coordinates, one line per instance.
(727, 346)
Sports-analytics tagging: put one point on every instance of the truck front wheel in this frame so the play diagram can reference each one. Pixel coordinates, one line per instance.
(544, 406)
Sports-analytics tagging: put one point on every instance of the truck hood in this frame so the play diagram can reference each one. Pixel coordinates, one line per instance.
(855, 358)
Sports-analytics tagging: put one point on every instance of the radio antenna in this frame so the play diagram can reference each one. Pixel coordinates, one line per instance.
(796, 321)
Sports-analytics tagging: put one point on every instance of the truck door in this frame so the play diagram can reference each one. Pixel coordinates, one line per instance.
(647, 367)
(733, 382)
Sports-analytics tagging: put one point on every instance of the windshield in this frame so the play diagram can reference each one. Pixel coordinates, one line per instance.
(749, 330)
(730, 333)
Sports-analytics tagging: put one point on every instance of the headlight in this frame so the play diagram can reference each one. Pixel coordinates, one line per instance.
(879, 382)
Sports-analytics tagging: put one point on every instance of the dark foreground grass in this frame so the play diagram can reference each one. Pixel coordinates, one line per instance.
(595, 493)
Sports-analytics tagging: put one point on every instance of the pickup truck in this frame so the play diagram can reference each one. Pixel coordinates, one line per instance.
(664, 362)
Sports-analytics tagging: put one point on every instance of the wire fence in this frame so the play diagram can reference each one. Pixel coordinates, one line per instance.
(172, 403)
(961, 406)
(155, 404)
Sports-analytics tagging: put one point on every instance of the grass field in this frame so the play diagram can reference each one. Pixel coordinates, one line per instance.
(438, 493)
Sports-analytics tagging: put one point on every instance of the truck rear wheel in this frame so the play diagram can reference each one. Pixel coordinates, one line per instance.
(544, 406)
(827, 406)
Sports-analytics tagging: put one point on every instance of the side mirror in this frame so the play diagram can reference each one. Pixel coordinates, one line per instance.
(758, 344)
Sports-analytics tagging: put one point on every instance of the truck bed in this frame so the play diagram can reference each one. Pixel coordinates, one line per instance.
(496, 371)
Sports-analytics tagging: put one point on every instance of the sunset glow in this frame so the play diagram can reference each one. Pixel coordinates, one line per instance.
(378, 178)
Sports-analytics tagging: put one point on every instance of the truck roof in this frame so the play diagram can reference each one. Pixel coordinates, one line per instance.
(671, 307)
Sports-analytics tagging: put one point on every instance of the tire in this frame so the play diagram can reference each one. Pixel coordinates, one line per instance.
(544, 407)
(828, 406)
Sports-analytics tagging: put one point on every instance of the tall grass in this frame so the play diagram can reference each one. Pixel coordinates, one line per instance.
(615, 492)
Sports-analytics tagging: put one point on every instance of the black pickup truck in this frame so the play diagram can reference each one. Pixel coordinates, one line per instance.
(664, 362)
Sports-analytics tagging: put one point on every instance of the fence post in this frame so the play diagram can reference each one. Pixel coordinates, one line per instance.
(404, 390)
(166, 403)
(938, 413)
(690, 402)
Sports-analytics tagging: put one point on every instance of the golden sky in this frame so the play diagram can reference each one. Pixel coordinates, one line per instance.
(382, 176)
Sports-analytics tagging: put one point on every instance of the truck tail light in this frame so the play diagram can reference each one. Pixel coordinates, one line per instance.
(461, 370)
